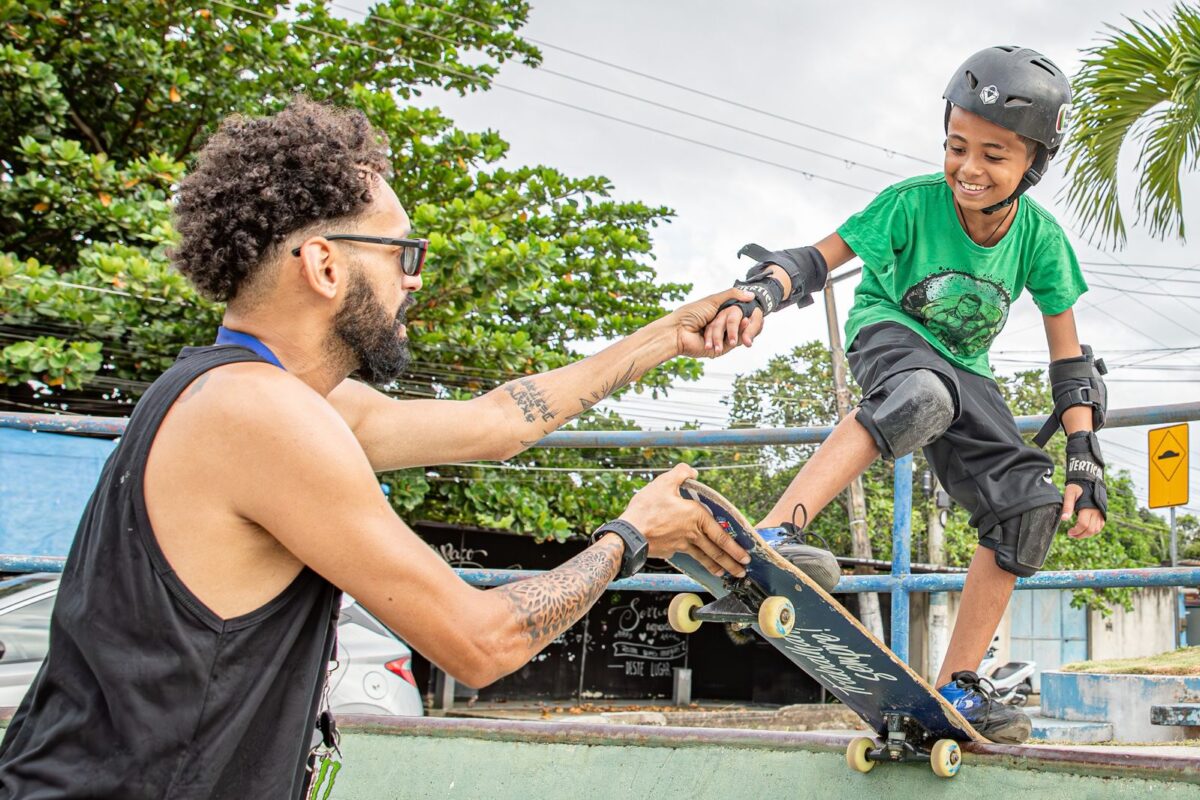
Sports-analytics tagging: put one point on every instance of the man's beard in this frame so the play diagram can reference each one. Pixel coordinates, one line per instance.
(363, 330)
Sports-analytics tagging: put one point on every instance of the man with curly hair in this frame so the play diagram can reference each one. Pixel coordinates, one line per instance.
(198, 606)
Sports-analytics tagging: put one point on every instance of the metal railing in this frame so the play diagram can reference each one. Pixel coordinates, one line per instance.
(899, 584)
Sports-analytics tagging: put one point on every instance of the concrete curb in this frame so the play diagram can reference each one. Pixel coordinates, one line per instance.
(1123, 701)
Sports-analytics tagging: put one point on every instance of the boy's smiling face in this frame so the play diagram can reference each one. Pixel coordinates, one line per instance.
(984, 162)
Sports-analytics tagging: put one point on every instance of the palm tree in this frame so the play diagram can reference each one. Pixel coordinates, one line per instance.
(1142, 83)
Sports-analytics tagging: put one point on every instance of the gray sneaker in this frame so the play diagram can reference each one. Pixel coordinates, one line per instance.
(820, 565)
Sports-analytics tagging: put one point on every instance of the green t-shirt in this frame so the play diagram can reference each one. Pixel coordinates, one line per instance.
(920, 269)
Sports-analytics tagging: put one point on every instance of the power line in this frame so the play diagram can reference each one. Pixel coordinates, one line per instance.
(1155, 280)
(638, 98)
(1173, 295)
(520, 468)
(700, 92)
(630, 123)
(1142, 266)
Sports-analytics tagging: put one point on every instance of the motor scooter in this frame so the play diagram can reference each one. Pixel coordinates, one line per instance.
(1013, 680)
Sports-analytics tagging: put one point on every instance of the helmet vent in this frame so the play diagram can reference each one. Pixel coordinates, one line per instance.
(1017, 102)
(972, 81)
(1044, 65)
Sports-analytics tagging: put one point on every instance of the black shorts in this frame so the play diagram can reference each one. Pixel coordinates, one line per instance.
(981, 459)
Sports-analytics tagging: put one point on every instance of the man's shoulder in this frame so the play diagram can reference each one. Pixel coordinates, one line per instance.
(246, 400)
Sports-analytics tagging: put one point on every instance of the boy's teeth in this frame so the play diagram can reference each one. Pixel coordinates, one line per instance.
(974, 187)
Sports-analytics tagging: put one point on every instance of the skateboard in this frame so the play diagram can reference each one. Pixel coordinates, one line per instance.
(783, 605)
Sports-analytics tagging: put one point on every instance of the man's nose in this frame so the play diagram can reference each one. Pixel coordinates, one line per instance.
(411, 283)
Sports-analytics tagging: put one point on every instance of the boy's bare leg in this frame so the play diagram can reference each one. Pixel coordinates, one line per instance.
(841, 458)
(984, 598)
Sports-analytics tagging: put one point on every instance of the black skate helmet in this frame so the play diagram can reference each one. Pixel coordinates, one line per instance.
(1020, 90)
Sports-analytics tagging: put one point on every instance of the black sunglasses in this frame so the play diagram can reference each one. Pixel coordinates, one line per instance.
(412, 251)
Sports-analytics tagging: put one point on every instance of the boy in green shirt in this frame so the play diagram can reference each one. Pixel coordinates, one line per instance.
(944, 257)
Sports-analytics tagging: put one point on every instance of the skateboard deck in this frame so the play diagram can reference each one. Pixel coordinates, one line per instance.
(827, 642)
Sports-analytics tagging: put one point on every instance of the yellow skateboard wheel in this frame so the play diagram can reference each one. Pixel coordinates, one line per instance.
(945, 758)
(679, 613)
(776, 617)
(856, 754)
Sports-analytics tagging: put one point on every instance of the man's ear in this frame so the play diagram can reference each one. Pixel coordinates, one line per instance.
(319, 267)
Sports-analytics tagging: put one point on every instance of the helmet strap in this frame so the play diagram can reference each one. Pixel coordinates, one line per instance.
(1031, 178)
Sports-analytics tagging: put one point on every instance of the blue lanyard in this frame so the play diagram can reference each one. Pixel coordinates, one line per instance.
(226, 336)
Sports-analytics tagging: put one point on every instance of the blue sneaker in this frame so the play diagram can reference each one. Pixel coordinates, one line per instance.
(975, 699)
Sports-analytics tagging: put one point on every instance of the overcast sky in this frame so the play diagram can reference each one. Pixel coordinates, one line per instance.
(872, 71)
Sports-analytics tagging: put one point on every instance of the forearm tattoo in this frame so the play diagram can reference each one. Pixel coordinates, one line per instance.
(609, 386)
(535, 407)
(529, 398)
(547, 605)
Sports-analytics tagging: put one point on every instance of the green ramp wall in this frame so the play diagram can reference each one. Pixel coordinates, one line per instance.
(389, 758)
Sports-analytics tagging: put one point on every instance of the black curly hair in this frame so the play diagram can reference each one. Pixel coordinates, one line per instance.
(260, 179)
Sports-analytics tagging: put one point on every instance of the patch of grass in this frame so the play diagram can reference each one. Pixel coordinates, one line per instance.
(1184, 661)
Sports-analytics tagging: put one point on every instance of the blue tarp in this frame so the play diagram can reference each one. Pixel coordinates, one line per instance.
(45, 482)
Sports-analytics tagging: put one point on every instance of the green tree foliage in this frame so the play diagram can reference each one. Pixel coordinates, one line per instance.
(105, 104)
(1188, 531)
(1141, 82)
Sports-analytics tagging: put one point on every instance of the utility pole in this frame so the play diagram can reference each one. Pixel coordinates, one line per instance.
(868, 602)
(939, 624)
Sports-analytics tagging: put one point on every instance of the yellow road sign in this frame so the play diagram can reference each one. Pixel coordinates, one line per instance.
(1168, 449)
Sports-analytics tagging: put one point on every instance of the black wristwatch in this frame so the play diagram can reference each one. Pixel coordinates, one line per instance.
(636, 548)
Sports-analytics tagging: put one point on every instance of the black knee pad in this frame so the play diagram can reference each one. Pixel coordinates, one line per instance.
(917, 409)
(1022, 543)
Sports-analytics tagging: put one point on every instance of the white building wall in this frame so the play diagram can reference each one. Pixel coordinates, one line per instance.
(1146, 631)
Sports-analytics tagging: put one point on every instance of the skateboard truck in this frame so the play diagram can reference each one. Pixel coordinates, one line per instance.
(944, 758)
(729, 608)
(775, 615)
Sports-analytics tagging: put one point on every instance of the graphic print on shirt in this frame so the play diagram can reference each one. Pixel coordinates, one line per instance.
(963, 311)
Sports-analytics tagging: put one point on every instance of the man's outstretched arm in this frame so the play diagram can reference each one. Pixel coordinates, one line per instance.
(512, 417)
(299, 476)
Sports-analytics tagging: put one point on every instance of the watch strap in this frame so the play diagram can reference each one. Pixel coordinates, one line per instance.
(636, 548)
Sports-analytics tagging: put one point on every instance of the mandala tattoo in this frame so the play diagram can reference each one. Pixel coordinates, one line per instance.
(550, 603)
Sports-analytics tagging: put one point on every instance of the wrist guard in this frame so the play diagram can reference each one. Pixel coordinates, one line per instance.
(1085, 469)
(805, 268)
(1077, 381)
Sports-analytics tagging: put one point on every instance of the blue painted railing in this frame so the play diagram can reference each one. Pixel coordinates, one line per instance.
(900, 583)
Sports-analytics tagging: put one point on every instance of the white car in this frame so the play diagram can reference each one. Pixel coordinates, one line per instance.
(373, 673)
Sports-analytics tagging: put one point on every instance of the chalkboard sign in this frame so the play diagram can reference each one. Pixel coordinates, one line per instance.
(623, 649)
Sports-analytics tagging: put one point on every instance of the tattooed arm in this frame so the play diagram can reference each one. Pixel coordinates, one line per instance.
(545, 606)
(280, 478)
(503, 422)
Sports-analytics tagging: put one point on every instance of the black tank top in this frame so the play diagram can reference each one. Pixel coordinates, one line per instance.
(145, 692)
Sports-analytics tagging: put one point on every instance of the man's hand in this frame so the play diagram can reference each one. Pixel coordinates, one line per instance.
(672, 524)
(731, 328)
(1090, 520)
(690, 322)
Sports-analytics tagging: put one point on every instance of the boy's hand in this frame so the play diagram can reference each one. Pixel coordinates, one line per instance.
(694, 320)
(1089, 522)
(731, 328)
(1085, 487)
